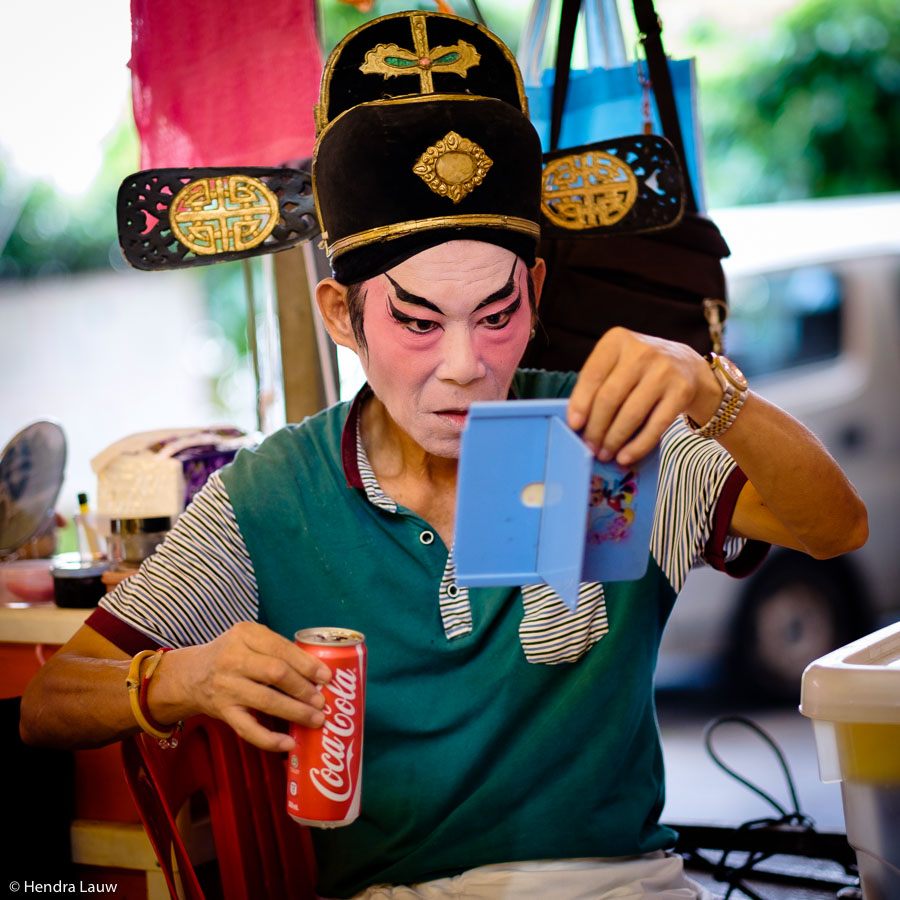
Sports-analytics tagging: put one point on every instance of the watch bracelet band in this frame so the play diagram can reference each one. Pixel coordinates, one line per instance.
(723, 418)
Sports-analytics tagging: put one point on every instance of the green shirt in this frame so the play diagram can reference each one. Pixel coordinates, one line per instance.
(473, 754)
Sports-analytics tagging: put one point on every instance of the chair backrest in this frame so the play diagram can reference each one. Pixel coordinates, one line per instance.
(261, 851)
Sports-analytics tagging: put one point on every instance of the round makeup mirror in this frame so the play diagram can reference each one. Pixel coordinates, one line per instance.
(31, 474)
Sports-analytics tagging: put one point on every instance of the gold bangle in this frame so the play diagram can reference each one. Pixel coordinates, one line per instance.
(133, 683)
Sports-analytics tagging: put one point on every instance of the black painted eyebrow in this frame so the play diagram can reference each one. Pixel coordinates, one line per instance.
(503, 292)
(408, 297)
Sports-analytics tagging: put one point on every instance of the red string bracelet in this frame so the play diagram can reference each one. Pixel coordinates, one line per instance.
(171, 740)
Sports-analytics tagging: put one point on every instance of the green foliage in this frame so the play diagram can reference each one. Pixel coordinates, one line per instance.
(224, 284)
(55, 233)
(504, 17)
(812, 111)
(53, 236)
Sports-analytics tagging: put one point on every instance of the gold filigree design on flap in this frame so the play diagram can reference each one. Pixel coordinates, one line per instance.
(225, 214)
(587, 190)
(453, 167)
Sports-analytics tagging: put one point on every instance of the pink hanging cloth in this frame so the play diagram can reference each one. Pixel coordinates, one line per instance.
(224, 82)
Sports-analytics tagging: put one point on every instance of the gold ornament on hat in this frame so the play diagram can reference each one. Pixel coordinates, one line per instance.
(391, 60)
(453, 167)
(584, 190)
(223, 214)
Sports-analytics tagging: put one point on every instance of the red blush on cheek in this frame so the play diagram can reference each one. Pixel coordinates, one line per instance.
(503, 347)
(394, 353)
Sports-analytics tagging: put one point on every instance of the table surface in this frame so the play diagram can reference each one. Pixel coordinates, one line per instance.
(44, 624)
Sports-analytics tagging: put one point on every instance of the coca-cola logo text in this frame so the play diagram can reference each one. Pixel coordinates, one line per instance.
(334, 779)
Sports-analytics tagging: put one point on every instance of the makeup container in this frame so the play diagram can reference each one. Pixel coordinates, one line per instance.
(77, 583)
(131, 541)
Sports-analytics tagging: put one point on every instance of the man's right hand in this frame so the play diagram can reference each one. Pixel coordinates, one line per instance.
(247, 668)
(79, 699)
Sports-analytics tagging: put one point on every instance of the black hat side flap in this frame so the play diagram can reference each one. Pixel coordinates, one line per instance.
(182, 217)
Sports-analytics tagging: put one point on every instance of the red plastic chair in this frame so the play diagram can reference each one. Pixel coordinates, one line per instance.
(261, 851)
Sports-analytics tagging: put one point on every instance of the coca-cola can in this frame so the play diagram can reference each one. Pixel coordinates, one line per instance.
(325, 766)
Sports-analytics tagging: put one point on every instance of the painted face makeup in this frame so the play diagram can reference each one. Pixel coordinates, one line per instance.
(444, 329)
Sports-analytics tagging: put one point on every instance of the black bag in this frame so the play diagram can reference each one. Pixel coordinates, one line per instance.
(666, 282)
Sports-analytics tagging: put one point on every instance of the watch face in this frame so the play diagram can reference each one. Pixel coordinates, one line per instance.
(732, 372)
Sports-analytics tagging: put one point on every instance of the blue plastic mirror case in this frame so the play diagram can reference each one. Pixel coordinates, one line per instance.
(522, 498)
(534, 506)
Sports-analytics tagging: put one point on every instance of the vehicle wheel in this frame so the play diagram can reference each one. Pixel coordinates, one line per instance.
(794, 610)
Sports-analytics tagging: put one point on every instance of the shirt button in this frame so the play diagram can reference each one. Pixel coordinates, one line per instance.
(427, 537)
(452, 590)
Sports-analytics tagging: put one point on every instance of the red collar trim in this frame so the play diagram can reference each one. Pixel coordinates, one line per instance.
(349, 456)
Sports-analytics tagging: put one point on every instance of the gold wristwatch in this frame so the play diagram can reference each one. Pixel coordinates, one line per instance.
(734, 393)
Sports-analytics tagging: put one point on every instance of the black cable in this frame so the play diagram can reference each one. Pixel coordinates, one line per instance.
(731, 875)
(749, 723)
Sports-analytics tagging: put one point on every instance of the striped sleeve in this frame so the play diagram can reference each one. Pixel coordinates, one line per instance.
(693, 473)
(198, 583)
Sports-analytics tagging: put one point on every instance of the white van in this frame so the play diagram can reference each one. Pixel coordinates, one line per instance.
(814, 290)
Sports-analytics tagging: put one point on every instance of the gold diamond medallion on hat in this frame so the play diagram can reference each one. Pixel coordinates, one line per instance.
(223, 214)
(584, 190)
(453, 167)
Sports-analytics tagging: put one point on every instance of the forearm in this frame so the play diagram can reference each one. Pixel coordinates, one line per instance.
(79, 697)
(77, 701)
(632, 387)
(793, 478)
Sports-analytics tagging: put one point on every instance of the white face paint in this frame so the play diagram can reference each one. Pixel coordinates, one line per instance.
(445, 328)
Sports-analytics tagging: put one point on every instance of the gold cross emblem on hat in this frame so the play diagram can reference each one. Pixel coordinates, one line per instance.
(390, 60)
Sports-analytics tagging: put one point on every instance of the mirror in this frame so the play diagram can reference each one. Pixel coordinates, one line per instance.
(31, 475)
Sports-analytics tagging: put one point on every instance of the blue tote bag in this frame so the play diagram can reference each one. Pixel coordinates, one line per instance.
(606, 99)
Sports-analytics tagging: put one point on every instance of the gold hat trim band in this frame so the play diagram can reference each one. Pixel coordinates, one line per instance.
(400, 229)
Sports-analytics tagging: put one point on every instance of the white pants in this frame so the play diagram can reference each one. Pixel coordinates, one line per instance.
(657, 875)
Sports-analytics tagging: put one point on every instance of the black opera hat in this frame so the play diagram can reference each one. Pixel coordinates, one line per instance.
(423, 138)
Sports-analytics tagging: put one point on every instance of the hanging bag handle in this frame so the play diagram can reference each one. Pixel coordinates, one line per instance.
(568, 19)
(661, 81)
